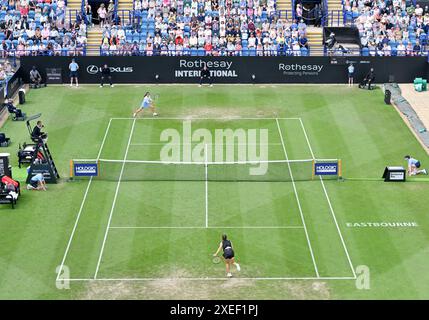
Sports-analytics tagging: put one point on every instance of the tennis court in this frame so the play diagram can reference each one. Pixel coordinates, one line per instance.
(169, 229)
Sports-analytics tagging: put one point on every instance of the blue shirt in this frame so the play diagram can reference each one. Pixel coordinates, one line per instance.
(38, 177)
(412, 162)
(73, 66)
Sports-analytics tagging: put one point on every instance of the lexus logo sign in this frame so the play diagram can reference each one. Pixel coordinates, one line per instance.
(93, 69)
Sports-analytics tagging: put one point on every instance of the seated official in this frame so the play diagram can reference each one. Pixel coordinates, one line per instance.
(38, 134)
(12, 109)
(35, 78)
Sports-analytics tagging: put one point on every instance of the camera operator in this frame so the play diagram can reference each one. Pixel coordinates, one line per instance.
(331, 41)
(105, 73)
(35, 78)
(38, 134)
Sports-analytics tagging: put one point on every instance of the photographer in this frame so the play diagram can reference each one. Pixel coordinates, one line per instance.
(38, 134)
(106, 74)
(330, 42)
(35, 78)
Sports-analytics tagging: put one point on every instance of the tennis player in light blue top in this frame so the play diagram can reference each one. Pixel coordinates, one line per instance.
(147, 103)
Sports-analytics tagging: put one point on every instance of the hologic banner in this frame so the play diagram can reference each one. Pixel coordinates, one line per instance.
(85, 169)
(326, 169)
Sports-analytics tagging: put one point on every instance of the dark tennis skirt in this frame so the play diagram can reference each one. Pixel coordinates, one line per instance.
(418, 164)
(228, 254)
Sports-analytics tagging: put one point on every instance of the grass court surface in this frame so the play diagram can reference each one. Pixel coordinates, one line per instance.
(154, 239)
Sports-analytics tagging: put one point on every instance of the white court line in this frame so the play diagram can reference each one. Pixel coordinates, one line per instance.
(210, 227)
(210, 279)
(82, 205)
(191, 118)
(206, 169)
(196, 143)
(297, 200)
(114, 201)
(329, 203)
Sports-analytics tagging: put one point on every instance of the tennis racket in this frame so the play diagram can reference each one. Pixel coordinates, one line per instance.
(216, 260)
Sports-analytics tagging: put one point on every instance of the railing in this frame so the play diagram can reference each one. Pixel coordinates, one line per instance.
(285, 14)
(123, 14)
(115, 12)
(325, 9)
(335, 18)
(293, 9)
(313, 51)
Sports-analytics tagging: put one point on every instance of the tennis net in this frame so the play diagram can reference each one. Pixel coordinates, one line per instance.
(137, 170)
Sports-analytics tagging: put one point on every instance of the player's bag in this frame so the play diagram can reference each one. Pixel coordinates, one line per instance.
(8, 180)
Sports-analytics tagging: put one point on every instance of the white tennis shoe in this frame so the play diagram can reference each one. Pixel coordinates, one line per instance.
(237, 266)
(229, 275)
(424, 171)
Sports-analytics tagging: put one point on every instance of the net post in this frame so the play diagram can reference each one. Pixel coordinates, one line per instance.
(313, 169)
(340, 169)
(71, 169)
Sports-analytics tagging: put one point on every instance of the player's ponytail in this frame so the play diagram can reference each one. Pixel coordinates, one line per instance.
(146, 94)
(224, 237)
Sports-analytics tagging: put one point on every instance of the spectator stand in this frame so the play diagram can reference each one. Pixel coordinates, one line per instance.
(140, 37)
(44, 32)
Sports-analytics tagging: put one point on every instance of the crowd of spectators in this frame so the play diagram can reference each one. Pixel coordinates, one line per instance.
(37, 27)
(6, 72)
(205, 27)
(390, 27)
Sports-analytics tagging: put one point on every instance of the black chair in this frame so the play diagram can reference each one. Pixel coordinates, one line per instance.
(4, 141)
(17, 114)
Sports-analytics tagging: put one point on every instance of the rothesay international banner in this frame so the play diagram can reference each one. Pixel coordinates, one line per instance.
(186, 69)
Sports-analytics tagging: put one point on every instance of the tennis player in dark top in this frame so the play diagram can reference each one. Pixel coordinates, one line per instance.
(106, 74)
(228, 255)
(205, 75)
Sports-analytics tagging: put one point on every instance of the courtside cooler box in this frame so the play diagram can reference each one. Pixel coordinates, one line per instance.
(395, 174)
(5, 169)
(21, 95)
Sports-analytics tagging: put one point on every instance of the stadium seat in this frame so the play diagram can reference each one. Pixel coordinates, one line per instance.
(304, 51)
